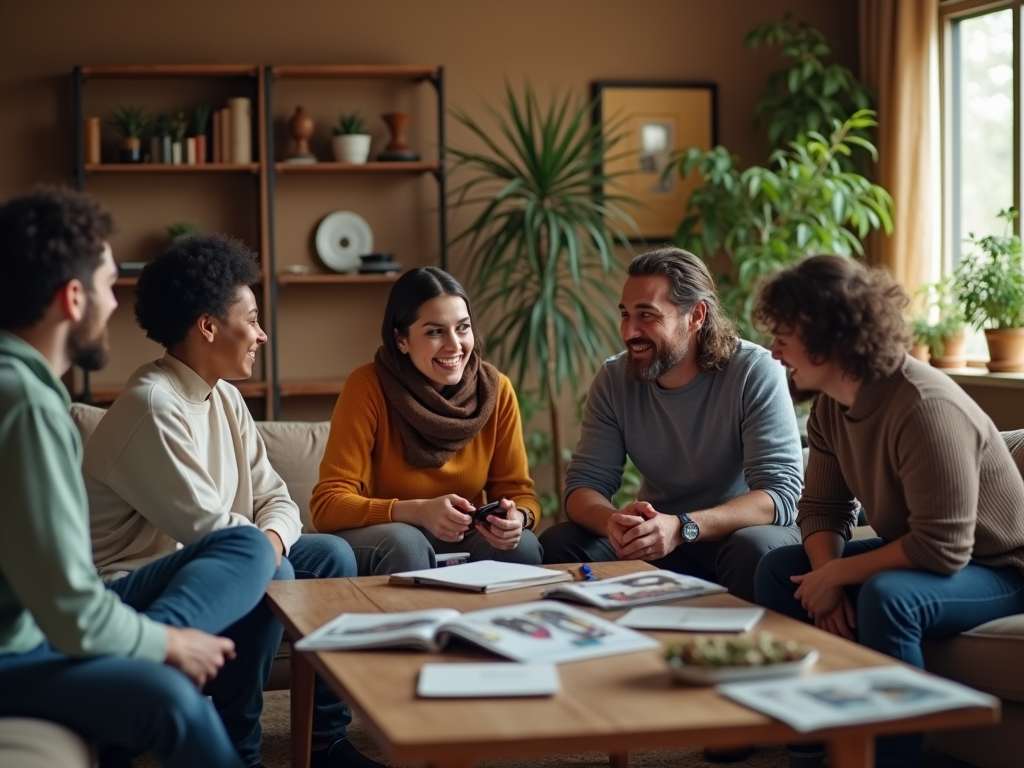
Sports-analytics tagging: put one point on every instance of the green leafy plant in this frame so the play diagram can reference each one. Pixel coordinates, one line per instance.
(349, 123)
(811, 93)
(130, 120)
(183, 228)
(179, 126)
(766, 218)
(541, 243)
(989, 281)
(200, 120)
(940, 318)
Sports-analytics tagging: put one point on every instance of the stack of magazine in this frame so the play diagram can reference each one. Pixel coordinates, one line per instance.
(634, 589)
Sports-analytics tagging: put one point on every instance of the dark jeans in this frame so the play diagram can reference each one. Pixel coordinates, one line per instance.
(140, 705)
(730, 562)
(897, 610)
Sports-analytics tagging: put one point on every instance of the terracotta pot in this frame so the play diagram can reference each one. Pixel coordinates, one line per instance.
(200, 149)
(954, 352)
(920, 352)
(1006, 350)
(130, 150)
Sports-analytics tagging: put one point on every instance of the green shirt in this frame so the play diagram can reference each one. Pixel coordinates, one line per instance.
(49, 588)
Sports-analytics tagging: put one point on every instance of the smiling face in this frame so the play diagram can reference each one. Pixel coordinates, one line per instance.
(805, 375)
(231, 352)
(657, 335)
(439, 340)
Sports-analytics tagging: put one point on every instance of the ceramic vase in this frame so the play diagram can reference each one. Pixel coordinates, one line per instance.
(130, 150)
(351, 148)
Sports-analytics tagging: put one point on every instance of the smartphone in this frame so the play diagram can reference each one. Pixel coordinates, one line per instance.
(480, 515)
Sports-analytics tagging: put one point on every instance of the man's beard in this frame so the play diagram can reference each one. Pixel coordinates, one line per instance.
(88, 343)
(664, 360)
(799, 395)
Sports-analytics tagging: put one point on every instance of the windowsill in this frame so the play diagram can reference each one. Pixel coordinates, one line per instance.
(981, 377)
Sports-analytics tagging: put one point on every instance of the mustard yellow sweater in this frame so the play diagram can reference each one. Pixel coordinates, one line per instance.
(363, 472)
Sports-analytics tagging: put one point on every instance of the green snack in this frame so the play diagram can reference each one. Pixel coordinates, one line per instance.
(716, 651)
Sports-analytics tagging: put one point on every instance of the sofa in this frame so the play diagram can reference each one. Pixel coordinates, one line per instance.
(986, 658)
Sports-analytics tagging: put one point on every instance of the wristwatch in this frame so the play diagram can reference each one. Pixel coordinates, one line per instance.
(689, 530)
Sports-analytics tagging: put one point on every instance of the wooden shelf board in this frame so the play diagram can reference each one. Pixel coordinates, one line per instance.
(313, 387)
(168, 168)
(980, 377)
(110, 394)
(356, 71)
(376, 166)
(172, 70)
(290, 278)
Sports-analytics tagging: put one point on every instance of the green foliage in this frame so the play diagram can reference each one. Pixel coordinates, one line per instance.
(941, 316)
(201, 119)
(766, 218)
(130, 120)
(179, 126)
(183, 228)
(990, 281)
(349, 123)
(541, 243)
(629, 487)
(810, 94)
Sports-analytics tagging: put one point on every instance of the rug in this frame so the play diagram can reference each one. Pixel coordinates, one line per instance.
(276, 750)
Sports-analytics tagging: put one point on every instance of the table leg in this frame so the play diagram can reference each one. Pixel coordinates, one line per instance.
(618, 759)
(301, 709)
(852, 752)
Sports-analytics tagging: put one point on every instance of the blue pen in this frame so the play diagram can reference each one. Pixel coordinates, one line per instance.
(588, 575)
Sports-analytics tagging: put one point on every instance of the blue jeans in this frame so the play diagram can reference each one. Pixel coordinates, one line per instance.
(897, 610)
(136, 705)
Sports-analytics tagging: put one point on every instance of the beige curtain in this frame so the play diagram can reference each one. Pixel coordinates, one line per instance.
(898, 46)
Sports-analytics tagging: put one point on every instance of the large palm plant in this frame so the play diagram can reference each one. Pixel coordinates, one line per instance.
(542, 242)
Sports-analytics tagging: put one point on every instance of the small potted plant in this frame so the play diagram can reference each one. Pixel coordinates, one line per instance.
(989, 283)
(940, 326)
(199, 123)
(130, 121)
(179, 127)
(349, 142)
(183, 228)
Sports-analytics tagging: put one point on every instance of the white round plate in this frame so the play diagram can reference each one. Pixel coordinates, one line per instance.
(341, 238)
(714, 676)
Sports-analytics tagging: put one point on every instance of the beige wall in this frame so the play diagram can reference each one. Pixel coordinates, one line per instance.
(554, 43)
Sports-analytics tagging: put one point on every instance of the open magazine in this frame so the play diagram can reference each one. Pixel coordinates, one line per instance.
(526, 632)
(634, 589)
(854, 696)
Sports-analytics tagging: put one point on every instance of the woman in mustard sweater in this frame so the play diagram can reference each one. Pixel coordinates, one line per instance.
(423, 436)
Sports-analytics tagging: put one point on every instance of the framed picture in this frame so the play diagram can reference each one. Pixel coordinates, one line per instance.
(658, 119)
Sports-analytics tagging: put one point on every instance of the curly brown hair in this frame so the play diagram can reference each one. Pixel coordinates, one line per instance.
(691, 283)
(47, 237)
(842, 311)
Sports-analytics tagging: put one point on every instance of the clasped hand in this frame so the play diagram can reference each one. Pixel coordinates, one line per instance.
(448, 518)
(825, 601)
(640, 532)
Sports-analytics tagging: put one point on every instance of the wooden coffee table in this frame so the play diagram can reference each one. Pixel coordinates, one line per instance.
(613, 704)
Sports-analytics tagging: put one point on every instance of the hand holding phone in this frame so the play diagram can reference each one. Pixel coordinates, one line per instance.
(493, 508)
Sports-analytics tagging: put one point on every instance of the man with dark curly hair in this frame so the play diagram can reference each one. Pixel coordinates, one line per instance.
(123, 665)
(936, 479)
(705, 418)
(178, 456)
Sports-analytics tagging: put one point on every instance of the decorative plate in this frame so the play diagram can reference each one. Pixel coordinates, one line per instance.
(341, 238)
(695, 675)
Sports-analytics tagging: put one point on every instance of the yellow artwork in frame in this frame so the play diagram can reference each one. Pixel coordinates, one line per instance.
(657, 120)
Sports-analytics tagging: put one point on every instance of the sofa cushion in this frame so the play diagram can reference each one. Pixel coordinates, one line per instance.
(86, 418)
(27, 743)
(987, 658)
(295, 449)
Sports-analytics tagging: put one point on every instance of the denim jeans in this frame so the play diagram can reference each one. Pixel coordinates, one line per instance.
(140, 705)
(897, 610)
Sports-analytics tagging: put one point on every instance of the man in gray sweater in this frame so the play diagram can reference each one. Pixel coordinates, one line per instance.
(707, 420)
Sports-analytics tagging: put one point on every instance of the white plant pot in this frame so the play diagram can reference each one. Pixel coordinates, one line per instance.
(352, 148)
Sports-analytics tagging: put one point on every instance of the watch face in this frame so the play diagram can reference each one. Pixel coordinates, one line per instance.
(690, 531)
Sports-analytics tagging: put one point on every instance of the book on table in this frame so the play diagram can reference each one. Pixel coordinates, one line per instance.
(634, 589)
(539, 632)
(482, 576)
(456, 681)
(673, 617)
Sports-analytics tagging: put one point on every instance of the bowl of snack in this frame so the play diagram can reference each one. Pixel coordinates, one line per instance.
(713, 659)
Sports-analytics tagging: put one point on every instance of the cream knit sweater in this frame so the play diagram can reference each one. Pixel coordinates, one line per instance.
(173, 460)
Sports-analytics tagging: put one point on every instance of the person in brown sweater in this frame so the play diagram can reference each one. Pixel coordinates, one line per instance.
(935, 478)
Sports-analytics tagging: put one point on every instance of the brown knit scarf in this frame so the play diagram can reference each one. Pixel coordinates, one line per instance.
(434, 425)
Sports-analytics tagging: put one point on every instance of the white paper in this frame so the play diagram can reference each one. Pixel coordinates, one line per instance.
(693, 619)
(485, 575)
(487, 680)
(854, 696)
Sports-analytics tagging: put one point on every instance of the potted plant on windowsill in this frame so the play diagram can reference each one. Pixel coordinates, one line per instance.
(940, 325)
(130, 121)
(349, 142)
(989, 282)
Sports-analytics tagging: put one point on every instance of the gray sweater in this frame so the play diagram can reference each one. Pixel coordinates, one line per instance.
(725, 433)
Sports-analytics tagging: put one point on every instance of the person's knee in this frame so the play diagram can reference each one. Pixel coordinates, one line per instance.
(332, 557)
(243, 542)
(882, 598)
(404, 548)
(285, 571)
(773, 571)
(529, 551)
(561, 543)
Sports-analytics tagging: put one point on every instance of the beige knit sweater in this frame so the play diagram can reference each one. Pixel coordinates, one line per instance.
(928, 465)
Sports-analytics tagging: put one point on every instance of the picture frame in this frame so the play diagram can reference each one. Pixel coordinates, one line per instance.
(658, 119)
